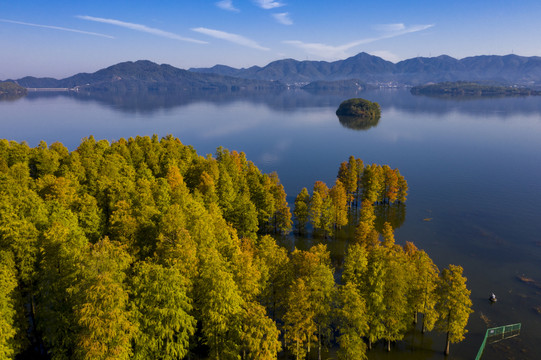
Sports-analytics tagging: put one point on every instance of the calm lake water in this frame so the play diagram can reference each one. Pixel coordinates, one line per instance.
(473, 166)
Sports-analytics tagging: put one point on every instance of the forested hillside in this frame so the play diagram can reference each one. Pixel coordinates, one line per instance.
(143, 249)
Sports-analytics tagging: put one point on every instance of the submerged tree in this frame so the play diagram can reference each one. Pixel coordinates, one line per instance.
(454, 305)
(300, 211)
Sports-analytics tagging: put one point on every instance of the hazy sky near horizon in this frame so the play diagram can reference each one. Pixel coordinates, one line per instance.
(59, 38)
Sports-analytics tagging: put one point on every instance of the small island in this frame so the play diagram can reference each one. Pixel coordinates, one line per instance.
(358, 107)
(470, 89)
(10, 90)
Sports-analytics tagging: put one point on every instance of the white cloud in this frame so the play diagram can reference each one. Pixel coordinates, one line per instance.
(57, 28)
(227, 5)
(142, 28)
(283, 18)
(390, 27)
(269, 4)
(234, 38)
(341, 51)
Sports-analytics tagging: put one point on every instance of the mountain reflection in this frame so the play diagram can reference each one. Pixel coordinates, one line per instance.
(295, 100)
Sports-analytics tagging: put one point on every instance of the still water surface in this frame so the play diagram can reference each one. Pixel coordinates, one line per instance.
(473, 166)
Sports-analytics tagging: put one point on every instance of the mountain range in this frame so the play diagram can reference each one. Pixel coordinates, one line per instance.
(143, 75)
(508, 69)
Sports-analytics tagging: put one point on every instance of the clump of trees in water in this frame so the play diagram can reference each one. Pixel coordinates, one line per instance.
(143, 249)
(327, 210)
(358, 107)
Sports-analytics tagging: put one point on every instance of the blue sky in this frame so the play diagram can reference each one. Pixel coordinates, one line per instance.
(58, 38)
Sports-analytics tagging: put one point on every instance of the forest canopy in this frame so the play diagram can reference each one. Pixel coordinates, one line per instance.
(359, 108)
(143, 249)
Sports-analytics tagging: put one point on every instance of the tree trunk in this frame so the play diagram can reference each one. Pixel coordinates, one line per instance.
(388, 345)
(415, 317)
(319, 343)
(369, 343)
(447, 345)
(447, 340)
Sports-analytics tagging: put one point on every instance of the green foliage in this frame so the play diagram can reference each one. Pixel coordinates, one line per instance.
(62, 251)
(142, 249)
(162, 311)
(300, 211)
(102, 313)
(454, 305)
(359, 107)
(352, 323)
(8, 325)
(220, 304)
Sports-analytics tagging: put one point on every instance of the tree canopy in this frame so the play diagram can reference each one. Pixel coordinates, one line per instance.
(142, 248)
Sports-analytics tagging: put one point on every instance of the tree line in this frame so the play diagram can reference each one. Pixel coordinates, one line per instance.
(142, 249)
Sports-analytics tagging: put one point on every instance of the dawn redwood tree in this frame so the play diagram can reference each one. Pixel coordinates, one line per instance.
(373, 291)
(299, 323)
(454, 305)
(259, 334)
(395, 289)
(300, 211)
(339, 202)
(423, 280)
(219, 305)
(163, 312)
(63, 248)
(315, 210)
(277, 276)
(352, 323)
(402, 187)
(366, 224)
(8, 306)
(281, 218)
(390, 192)
(105, 322)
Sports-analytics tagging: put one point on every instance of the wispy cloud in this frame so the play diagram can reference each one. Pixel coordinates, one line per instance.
(142, 28)
(234, 38)
(227, 5)
(390, 27)
(340, 51)
(57, 28)
(268, 4)
(283, 18)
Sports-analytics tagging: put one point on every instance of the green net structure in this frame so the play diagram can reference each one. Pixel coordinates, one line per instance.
(498, 333)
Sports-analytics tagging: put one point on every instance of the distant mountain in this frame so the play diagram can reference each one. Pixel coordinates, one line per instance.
(363, 66)
(147, 76)
(509, 69)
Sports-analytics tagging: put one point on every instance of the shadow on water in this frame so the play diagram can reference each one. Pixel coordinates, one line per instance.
(357, 122)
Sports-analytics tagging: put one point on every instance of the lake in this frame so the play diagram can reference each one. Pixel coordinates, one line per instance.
(473, 167)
